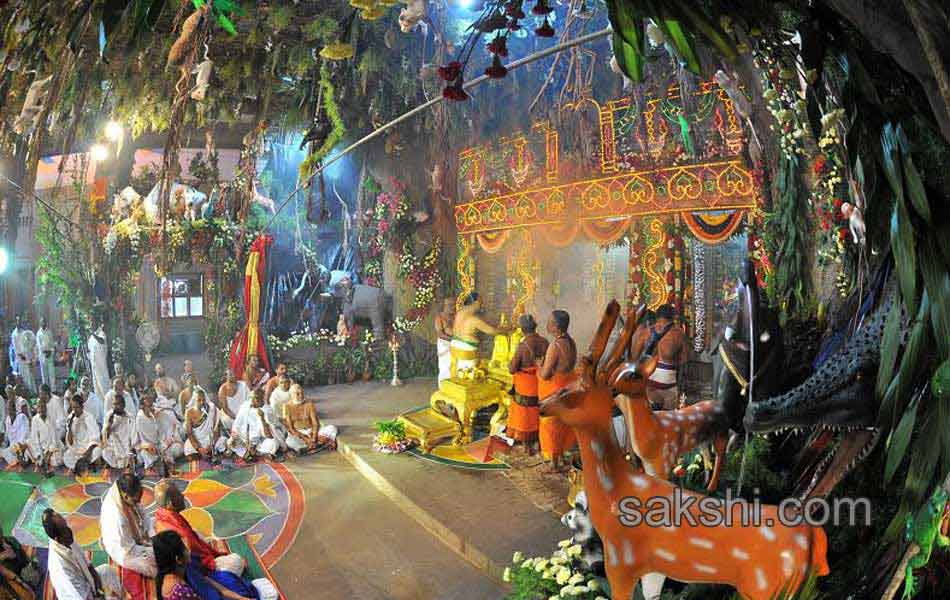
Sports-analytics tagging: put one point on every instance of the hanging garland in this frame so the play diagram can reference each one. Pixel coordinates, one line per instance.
(699, 296)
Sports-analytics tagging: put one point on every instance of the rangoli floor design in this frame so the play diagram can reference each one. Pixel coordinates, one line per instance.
(262, 503)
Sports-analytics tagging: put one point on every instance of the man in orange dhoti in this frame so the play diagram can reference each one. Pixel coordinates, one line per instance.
(523, 418)
(556, 372)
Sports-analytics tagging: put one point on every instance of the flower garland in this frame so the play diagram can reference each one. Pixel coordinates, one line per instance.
(310, 164)
(561, 575)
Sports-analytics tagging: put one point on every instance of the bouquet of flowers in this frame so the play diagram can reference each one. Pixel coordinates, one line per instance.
(391, 437)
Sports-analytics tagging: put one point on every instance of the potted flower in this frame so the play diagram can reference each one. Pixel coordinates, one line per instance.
(337, 366)
(391, 437)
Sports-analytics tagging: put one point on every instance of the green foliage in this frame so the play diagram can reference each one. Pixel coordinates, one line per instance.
(320, 29)
(310, 164)
(786, 238)
(280, 17)
(395, 428)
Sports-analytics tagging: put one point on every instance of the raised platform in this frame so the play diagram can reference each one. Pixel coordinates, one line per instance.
(480, 514)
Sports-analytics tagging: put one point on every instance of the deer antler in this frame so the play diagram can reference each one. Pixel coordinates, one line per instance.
(623, 342)
(599, 343)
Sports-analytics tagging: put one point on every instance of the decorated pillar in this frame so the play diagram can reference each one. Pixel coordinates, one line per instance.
(251, 340)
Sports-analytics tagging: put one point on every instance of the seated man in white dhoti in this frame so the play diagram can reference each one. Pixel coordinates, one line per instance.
(45, 447)
(82, 437)
(280, 397)
(443, 331)
(304, 430)
(55, 410)
(255, 431)
(156, 436)
(118, 390)
(92, 402)
(16, 433)
(125, 536)
(165, 385)
(118, 433)
(72, 575)
(203, 428)
(232, 395)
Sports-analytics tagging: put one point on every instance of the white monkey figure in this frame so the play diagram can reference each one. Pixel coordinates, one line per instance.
(32, 106)
(202, 81)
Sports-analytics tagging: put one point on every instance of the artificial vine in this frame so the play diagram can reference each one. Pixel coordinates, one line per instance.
(309, 165)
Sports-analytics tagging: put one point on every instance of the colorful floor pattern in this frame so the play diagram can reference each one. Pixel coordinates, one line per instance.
(259, 507)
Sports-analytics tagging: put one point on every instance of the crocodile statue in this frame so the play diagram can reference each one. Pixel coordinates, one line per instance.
(836, 404)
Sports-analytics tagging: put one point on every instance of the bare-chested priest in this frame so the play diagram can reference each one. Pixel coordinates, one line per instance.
(443, 329)
(465, 330)
(305, 433)
(556, 372)
(665, 341)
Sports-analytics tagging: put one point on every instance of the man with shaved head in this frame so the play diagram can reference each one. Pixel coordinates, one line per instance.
(165, 385)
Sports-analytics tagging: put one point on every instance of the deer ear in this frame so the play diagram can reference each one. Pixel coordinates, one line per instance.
(623, 342)
(607, 322)
(625, 379)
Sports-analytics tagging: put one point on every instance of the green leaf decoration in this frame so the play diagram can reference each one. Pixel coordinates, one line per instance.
(911, 363)
(703, 25)
(680, 40)
(915, 189)
(903, 245)
(937, 283)
(890, 345)
(899, 440)
(923, 464)
(628, 28)
(940, 383)
(628, 59)
(226, 24)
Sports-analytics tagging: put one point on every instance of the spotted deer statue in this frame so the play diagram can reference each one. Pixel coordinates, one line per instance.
(762, 559)
(659, 438)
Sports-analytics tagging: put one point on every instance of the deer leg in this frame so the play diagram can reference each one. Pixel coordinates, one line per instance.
(651, 585)
(719, 444)
(622, 581)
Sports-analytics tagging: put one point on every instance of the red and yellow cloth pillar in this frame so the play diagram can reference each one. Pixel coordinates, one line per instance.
(250, 341)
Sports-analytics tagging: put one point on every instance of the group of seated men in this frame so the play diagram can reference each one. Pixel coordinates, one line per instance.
(152, 426)
(149, 555)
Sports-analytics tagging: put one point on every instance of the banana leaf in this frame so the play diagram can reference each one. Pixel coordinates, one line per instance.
(899, 439)
(911, 363)
(679, 39)
(937, 283)
(915, 189)
(890, 346)
(905, 260)
(626, 22)
(890, 156)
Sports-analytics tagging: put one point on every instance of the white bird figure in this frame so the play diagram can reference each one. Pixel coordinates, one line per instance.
(32, 106)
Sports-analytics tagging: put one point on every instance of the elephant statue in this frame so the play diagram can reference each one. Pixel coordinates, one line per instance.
(360, 301)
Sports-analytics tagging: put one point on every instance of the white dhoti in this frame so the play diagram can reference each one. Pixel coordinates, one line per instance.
(46, 347)
(156, 440)
(117, 449)
(248, 432)
(204, 433)
(85, 434)
(44, 445)
(17, 438)
(445, 358)
(464, 355)
(234, 404)
(300, 444)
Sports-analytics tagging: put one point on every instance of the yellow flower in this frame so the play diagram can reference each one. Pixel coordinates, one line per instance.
(338, 51)
(548, 574)
(372, 14)
(540, 565)
(562, 576)
(593, 585)
(574, 550)
(564, 543)
(575, 579)
(517, 557)
(506, 576)
(363, 4)
(527, 564)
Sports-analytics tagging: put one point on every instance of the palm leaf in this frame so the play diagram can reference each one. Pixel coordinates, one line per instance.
(937, 283)
(629, 25)
(911, 363)
(899, 440)
(915, 187)
(703, 25)
(923, 462)
(628, 59)
(890, 345)
(905, 259)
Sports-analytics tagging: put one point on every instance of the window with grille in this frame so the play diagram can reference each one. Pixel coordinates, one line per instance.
(181, 296)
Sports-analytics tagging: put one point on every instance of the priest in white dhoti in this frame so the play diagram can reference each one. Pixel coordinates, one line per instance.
(232, 395)
(118, 435)
(45, 446)
(156, 435)
(46, 353)
(125, 536)
(443, 329)
(24, 346)
(98, 356)
(255, 431)
(203, 428)
(118, 389)
(304, 430)
(72, 576)
(55, 410)
(92, 402)
(16, 427)
(82, 436)
(280, 397)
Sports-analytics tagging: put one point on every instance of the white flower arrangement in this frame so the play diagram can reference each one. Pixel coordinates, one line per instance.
(558, 577)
